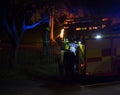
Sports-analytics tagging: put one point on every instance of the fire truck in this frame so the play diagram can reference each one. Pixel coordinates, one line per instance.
(99, 46)
(102, 54)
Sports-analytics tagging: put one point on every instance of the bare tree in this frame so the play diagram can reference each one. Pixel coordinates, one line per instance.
(14, 20)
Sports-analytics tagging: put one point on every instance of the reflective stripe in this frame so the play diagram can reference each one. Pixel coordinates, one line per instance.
(67, 46)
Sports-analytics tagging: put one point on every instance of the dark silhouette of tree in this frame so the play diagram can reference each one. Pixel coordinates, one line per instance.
(15, 20)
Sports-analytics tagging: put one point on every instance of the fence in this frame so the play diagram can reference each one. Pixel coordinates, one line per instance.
(31, 59)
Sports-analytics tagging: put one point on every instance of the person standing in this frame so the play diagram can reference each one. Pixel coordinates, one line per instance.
(69, 62)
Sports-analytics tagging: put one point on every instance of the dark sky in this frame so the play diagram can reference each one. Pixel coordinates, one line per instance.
(95, 7)
(108, 7)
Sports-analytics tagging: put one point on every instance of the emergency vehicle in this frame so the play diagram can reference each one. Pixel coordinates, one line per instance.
(99, 46)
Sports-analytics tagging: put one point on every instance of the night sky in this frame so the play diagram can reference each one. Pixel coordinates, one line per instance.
(108, 8)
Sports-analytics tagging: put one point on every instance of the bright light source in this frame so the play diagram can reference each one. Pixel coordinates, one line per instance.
(90, 28)
(78, 28)
(62, 33)
(98, 36)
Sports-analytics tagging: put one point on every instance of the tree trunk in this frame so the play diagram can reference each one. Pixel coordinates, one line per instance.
(52, 24)
(13, 56)
(52, 28)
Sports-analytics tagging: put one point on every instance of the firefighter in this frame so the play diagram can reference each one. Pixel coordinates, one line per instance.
(69, 62)
(80, 58)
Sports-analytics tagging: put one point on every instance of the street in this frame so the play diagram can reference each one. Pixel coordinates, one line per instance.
(40, 87)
